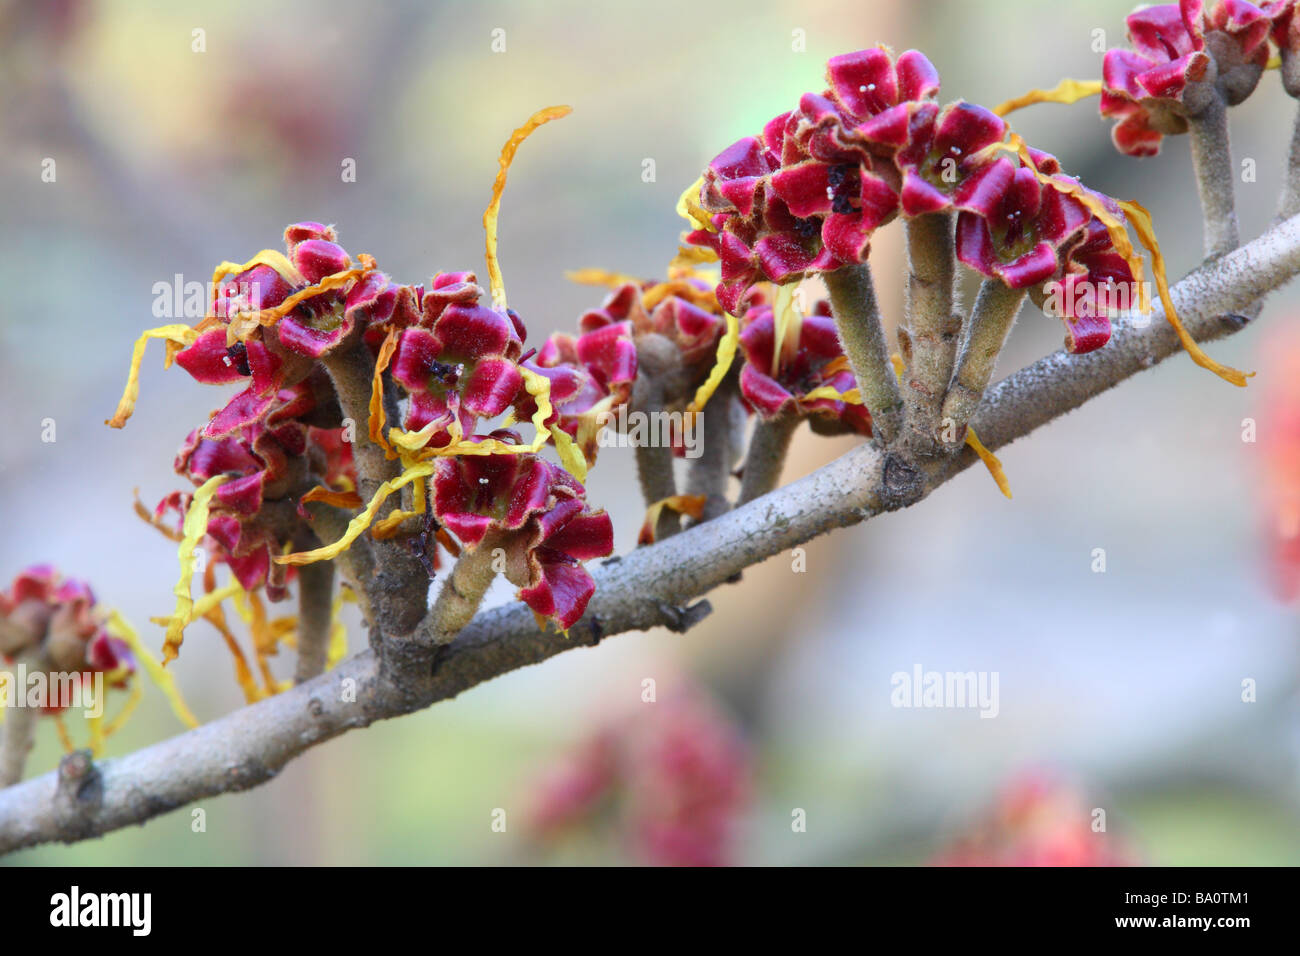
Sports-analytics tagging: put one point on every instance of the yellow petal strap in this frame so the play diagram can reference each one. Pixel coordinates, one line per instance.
(493, 211)
(705, 298)
(692, 505)
(362, 521)
(787, 327)
(192, 532)
(852, 396)
(267, 257)
(65, 738)
(181, 334)
(726, 353)
(338, 499)
(990, 461)
(338, 648)
(119, 627)
(1142, 225)
(244, 324)
(603, 277)
(106, 730)
(689, 208)
(571, 457)
(1067, 91)
(1274, 62)
(147, 516)
(389, 526)
(689, 256)
(243, 674)
(377, 394)
(414, 445)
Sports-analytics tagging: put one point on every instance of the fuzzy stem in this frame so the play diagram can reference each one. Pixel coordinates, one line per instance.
(766, 456)
(654, 463)
(862, 333)
(400, 586)
(710, 474)
(315, 615)
(18, 733)
(462, 592)
(1212, 160)
(1290, 204)
(931, 328)
(990, 324)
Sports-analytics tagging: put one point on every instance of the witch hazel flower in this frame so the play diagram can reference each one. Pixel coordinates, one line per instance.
(269, 464)
(51, 619)
(810, 377)
(591, 377)
(56, 640)
(1182, 53)
(536, 514)
(460, 363)
(670, 784)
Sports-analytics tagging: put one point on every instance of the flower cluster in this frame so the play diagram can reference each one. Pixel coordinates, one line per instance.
(536, 513)
(1183, 54)
(296, 444)
(675, 784)
(807, 196)
(809, 376)
(51, 622)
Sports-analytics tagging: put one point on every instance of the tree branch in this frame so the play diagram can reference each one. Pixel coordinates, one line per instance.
(650, 587)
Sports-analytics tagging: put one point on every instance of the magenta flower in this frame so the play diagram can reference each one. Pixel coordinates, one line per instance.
(1181, 53)
(815, 361)
(590, 374)
(52, 617)
(460, 363)
(271, 462)
(673, 310)
(538, 514)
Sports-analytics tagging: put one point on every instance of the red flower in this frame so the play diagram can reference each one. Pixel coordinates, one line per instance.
(460, 363)
(815, 361)
(53, 617)
(537, 513)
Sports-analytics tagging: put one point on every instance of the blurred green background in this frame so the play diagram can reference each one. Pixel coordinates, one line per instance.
(1126, 683)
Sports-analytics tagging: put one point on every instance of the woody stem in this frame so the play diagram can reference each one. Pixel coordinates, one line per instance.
(862, 333)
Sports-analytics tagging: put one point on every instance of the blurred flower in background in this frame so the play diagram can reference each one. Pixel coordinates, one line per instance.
(1039, 820)
(668, 783)
(1279, 438)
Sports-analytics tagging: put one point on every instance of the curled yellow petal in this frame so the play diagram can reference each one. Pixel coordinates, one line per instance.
(181, 334)
(726, 353)
(852, 396)
(571, 457)
(338, 499)
(493, 211)
(119, 720)
(1067, 91)
(706, 299)
(244, 324)
(990, 461)
(362, 521)
(691, 505)
(338, 648)
(120, 628)
(192, 532)
(377, 394)
(688, 256)
(689, 208)
(267, 257)
(1142, 225)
